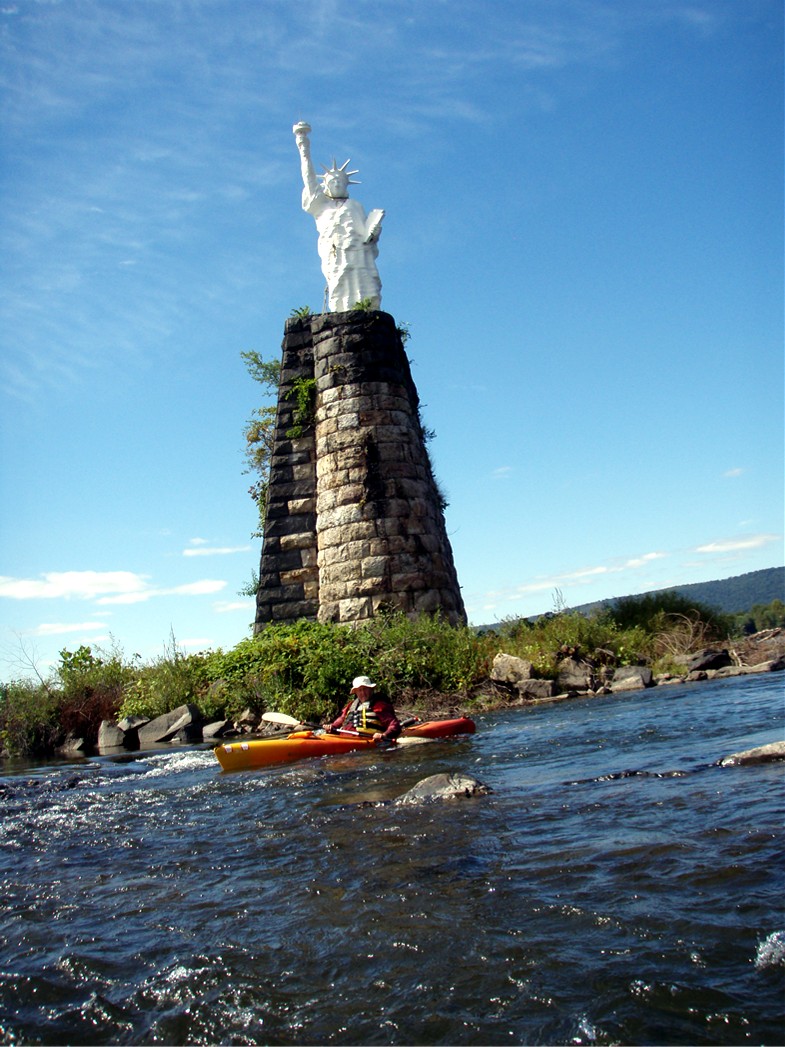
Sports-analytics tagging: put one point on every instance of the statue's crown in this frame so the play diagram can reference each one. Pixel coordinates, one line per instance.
(341, 170)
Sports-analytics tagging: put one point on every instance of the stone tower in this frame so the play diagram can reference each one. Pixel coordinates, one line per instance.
(354, 522)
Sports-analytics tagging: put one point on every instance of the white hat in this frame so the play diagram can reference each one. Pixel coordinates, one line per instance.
(361, 681)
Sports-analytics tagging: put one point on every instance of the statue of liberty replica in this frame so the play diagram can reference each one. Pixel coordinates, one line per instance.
(354, 519)
(347, 236)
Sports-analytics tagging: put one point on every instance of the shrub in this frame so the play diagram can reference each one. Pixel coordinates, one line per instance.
(761, 616)
(545, 641)
(29, 720)
(93, 686)
(306, 668)
(298, 668)
(426, 652)
(172, 679)
(653, 611)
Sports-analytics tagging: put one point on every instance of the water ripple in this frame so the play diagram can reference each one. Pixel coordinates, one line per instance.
(153, 899)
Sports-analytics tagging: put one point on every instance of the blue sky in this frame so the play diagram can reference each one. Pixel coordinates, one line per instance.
(583, 233)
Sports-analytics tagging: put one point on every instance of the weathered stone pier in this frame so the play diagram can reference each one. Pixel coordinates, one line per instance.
(354, 522)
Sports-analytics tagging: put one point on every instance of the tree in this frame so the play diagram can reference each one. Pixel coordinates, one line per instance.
(651, 612)
(762, 616)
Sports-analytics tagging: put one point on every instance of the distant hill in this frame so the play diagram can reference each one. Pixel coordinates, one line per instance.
(730, 595)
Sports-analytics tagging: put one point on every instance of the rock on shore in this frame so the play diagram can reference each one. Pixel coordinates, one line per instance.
(763, 652)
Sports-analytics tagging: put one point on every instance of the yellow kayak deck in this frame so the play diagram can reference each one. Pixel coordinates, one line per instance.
(300, 745)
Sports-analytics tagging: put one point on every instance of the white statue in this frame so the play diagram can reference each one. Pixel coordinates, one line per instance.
(347, 236)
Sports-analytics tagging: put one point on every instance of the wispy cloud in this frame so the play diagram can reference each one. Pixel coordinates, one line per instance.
(731, 473)
(216, 550)
(61, 628)
(206, 587)
(105, 224)
(103, 587)
(585, 575)
(733, 545)
(578, 577)
(66, 585)
(228, 607)
(199, 643)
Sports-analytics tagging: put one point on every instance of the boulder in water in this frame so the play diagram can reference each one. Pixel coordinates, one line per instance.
(110, 736)
(443, 787)
(164, 728)
(631, 678)
(760, 754)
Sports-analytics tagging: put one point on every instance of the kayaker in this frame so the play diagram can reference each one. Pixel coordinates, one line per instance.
(367, 713)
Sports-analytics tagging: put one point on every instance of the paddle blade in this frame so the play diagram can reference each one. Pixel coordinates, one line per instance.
(281, 718)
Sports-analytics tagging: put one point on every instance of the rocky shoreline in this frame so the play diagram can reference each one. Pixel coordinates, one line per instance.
(579, 677)
(512, 683)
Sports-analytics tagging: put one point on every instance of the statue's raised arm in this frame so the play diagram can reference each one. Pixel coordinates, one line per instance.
(310, 180)
(347, 236)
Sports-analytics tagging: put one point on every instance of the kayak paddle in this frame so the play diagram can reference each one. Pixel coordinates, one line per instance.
(281, 718)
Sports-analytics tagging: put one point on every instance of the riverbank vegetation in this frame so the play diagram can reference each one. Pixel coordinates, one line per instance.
(305, 668)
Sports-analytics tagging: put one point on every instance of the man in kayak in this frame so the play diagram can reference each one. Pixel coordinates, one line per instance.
(367, 713)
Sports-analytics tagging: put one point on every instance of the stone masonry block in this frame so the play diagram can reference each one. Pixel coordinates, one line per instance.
(375, 566)
(349, 421)
(298, 577)
(335, 591)
(303, 472)
(398, 601)
(353, 610)
(352, 551)
(325, 427)
(271, 594)
(343, 571)
(329, 610)
(389, 545)
(341, 516)
(301, 505)
(428, 602)
(410, 582)
(303, 540)
(285, 525)
(291, 610)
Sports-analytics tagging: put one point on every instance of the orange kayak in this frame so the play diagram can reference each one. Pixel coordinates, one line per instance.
(299, 745)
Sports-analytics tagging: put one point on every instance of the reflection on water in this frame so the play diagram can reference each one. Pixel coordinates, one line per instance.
(616, 886)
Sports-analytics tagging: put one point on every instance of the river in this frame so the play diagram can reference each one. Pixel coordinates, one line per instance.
(616, 886)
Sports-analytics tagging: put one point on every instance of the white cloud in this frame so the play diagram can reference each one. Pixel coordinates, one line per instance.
(60, 628)
(732, 545)
(79, 585)
(215, 550)
(226, 607)
(733, 472)
(585, 575)
(201, 588)
(642, 561)
(105, 587)
(502, 472)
